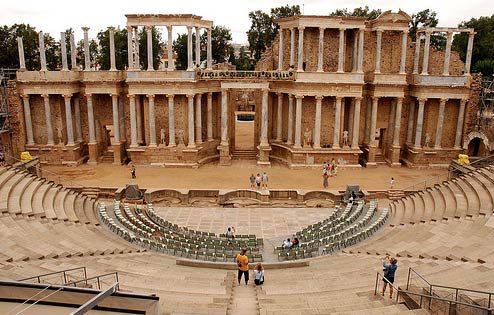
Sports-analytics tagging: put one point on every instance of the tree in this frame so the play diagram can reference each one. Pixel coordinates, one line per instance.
(143, 48)
(221, 43)
(93, 54)
(9, 55)
(360, 12)
(483, 45)
(243, 61)
(180, 48)
(120, 39)
(263, 29)
(427, 18)
(52, 53)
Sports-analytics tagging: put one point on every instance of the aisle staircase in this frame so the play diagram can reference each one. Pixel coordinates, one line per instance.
(244, 154)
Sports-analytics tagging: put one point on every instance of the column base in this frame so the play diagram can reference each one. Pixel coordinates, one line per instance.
(225, 157)
(153, 145)
(395, 156)
(93, 153)
(263, 158)
(118, 153)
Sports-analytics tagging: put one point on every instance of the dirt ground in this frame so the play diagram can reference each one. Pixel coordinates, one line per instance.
(236, 176)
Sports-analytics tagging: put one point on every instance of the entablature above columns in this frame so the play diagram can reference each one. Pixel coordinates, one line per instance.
(321, 21)
(245, 85)
(439, 93)
(385, 91)
(167, 20)
(102, 89)
(49, 88)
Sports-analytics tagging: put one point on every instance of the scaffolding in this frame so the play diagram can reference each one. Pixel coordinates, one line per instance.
(485, 117)
(5, 76)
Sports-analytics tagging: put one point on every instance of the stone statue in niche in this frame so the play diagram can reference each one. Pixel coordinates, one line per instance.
(427, 142)
(345, 139)
(307, 137)
(162, 136)
(60, 136)
(180, 135)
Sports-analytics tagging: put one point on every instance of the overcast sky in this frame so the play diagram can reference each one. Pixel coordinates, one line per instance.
(55, 16)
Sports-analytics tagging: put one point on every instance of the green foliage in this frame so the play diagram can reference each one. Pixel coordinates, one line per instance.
(120, 38)
(52, 53)
(263, 29)
(221, 44)
(143, 50)
(483, 44)
(243, 61)
(180, 48)
(360, 12)
(9, 55)
(424, 18)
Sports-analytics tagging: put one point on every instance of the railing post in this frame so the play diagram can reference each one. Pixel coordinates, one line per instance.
(377, 279)
(99, 285)
(408, 278)
(64, 277)
(430, 294)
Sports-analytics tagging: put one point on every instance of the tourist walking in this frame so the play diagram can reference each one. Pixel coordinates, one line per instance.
(230, 234)
(258, 274)
(392, 183)
(133, 171)
(243, 266)
(258, 181)
(252, 180)
(265, 180)
(325, 177)
(389, 268)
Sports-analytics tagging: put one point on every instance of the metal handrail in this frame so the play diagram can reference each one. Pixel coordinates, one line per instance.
(92, 278)
(400, 291)
(38, 277)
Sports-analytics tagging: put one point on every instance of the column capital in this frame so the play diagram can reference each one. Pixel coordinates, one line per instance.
(148, 28)
(199, 94)
(375, 98)
(150, 96)
(422, 100)
(342, 29)
(111, 28)
(319, 97)
(88, 95)
(170, 95)
(405, 32)
(428, 32)
(189, 28)
(321, 29)
(379, 31)
(85, 29)
(298, 96)
(129, 28)
(400, 99)
(67, 96)
(463, 101)
(443, 100)
(358, 98)
(131, 96)
(338, 98)
(301, 28)
(24, 96)
(265, 89)
(279, 93)
(169, 28)
(45, 95)
(190, 96)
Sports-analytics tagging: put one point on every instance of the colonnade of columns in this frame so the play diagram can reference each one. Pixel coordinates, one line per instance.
(69, 101)
(447, 53)
(404, 42)
(358, 49)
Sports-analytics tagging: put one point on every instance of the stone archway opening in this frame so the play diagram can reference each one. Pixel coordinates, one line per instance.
(476, 148)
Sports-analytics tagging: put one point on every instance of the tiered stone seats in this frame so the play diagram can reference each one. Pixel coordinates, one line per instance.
(470, 195)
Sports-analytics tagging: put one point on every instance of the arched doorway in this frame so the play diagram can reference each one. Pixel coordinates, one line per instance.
(476, 148)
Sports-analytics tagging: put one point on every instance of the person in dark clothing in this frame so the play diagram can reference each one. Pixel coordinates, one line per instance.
(389, 268)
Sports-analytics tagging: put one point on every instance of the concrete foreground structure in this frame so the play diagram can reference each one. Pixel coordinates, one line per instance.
(343, 88)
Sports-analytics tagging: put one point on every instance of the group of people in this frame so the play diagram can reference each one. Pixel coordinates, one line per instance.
(259, 181)
(328, 170)
(289, 244)
(243, 269)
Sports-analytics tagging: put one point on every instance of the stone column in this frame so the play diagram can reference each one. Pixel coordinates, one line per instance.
(140, 136)
(20, 48)
(459, 124)
(317, 124)
(87, 62)
(49, 126)
(264, 118)
(320, 52)
(289, 139)
(298, 121)
(111, 32)
(292, 47)
(404, 45)
(468, 59)
(337, 122)
(368, 110)
(133, 123)
(300, 67)
(63, 52)
(90, 118)
(210, 116)
(198, 46)
(42, 55)
(130, 48)
(360, 50)
(152, 121)
(440, 119)
(28, 120)
(279, 116)
(356, 123)
(396, 131)
(170, 48)
(224, 117)
(209, 52)
(198, 118)
(411, 114)
(73, 53)
(77, 112)
(447, 53)
(417, 54)
(378, 51)
(190, 120)
(351, 113)
(149, 32)
(420, 123)
(190, 67)
(341, 50)
(355, 52)
(116, 120)
(68, 119)
(280, 51)
(425, 61)
(171, 120)
(137, 60)
(373, 125)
